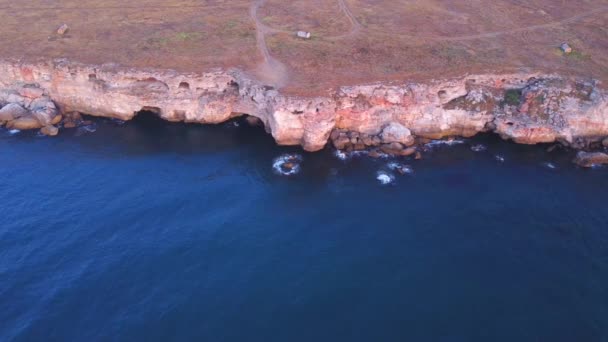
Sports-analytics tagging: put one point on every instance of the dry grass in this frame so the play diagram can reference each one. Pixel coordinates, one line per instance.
(399, 39)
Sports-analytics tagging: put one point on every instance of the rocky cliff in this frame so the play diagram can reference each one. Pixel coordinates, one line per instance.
(527, 108)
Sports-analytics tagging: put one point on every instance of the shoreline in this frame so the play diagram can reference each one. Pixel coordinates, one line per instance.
(527, 108)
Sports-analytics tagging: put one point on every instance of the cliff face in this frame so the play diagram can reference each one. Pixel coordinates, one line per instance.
(528, 108)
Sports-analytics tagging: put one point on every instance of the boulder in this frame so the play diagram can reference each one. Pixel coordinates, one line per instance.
(11, 112)
(31, 92)
(375, 154)
(392, 148)
(408, 151)
(24, 123)
(50, 130)
(44, 110)
(16, 98)
(590, 159)
(57, 119)
(397, 133)
(63, 29)
(341, 141)
(605, 142)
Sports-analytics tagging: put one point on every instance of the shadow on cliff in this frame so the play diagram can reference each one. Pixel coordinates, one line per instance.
(148, 134)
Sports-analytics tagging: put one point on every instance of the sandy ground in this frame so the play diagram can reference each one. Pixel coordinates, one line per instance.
(353, 41)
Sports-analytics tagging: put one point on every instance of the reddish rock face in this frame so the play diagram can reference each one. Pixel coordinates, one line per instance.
(527, 108)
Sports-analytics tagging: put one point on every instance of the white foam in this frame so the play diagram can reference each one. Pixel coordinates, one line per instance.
(499, 158)
(385, 178)
(403, 169)
(550, 166)
(14, 131)
(341, 155)
(478, 148)
(448, 142)
(347, 155)
(279, 164)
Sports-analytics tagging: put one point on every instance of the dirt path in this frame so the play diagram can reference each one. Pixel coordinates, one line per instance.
(271, 70)
(356, 25)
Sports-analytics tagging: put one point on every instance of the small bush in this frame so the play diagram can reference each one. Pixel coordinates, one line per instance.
(512, 97)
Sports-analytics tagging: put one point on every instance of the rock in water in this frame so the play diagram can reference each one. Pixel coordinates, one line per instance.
(605, 142)
(50, 130)
(400, 168)
(287, 165)
(24, 123)
(591, 159)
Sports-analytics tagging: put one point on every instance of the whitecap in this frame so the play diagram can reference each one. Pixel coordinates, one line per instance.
(14, 131)
(550, 166)
(341, 155)
(447, 142)
(385, 178)
(287, 164)
(499, 158)
(478, 148)
(400, 168)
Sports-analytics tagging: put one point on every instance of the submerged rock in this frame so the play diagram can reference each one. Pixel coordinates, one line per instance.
(385, 178)
(400, 168)
(591, 159)
(287, 164)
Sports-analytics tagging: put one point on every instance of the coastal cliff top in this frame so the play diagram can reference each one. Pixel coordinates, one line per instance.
(352, 41)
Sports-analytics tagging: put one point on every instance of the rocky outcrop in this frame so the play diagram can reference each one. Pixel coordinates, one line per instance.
(527, 108)
(27, 107)
(591, 159)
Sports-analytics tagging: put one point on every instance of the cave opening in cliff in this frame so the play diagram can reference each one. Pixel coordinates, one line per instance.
(149, 111)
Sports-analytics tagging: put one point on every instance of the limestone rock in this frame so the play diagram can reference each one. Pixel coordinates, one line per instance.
(24, 123)
(12, 111)
(590, 159)
(546, 108)
(31, 92)
(396, 132)
(392, 148)
(44, 110)
(49, 130)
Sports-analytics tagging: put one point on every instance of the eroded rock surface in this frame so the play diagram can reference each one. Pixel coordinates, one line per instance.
(591, 159)
(526, 108)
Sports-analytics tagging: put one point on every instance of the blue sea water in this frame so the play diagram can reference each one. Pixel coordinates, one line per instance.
(148, 231)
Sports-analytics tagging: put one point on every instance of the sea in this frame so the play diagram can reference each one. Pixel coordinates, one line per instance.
(156, 231)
